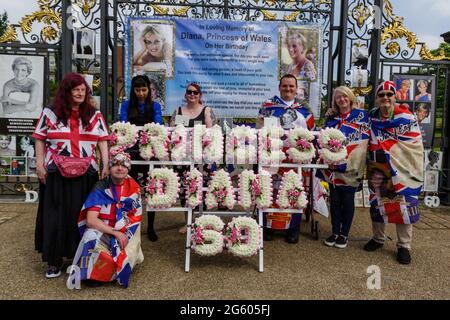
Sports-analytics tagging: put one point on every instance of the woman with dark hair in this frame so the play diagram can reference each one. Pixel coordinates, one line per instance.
(67, 135)
(140, 110)
(195, 112)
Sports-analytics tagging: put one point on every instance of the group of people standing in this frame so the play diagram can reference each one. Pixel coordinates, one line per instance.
(105, 215)
(388, 139)
(73, 201)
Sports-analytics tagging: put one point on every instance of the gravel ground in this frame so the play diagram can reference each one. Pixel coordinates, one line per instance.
(307, 270)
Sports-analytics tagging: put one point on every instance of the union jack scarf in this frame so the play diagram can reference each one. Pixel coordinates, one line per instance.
(275, 107)
(355, 127)
(99, 255)
(396, 145)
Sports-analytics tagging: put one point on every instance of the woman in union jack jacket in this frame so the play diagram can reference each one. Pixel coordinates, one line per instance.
(345, 179)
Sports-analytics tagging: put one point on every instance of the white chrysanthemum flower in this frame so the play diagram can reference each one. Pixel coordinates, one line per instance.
(243, 237)
(291, 194)
(162, 188)
(125, 136)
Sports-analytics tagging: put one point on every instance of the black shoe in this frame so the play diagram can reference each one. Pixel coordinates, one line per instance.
(292, 235)
(372, 245)
(52, 272)
(403, 256)
(151, 234)
(330, 241)
(341, 242)
(267, 234)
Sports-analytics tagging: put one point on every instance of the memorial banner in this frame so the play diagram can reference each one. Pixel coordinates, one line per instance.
(238, 64)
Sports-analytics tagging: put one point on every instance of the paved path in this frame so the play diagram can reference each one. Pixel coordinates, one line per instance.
(307, 270)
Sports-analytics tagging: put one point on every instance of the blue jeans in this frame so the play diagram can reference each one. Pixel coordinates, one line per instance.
(342, 203)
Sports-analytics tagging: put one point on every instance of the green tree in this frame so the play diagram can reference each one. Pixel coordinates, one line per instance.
(3, 22)
(443, 48)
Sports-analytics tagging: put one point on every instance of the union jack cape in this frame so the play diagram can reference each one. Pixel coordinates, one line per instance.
(99, 256)
(396, 146)
(355, 127)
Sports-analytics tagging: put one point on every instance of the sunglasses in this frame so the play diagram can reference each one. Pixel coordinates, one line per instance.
(194, 92)
(382, 95)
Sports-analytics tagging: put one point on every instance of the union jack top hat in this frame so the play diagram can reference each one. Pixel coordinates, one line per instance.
(388, 86)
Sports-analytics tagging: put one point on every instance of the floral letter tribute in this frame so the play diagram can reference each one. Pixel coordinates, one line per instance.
(162, 188)
(194, 185)
(220, 191)
(301, 148)
(241, 145)
(123, 136)
(270, 146)
(154, 142)
(255, 189)
(207, 239)
(243, 236)
(291, 195)
(207, 144)
(332, 142)
(178, 143)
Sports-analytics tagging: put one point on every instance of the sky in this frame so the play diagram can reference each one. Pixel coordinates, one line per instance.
(428, 19)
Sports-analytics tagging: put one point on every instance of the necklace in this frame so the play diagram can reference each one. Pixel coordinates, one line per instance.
(192, 111)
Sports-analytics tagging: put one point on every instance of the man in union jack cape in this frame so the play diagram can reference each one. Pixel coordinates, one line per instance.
(292, 113)
(395, 170)
(109, 226)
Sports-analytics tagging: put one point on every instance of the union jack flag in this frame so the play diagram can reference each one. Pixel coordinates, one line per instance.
(396, 144)
(99, 255)
(355, 127)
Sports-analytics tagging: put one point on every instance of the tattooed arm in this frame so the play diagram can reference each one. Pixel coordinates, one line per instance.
(210, 118)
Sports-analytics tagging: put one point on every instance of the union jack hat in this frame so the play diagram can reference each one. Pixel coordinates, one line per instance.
(388, 86)
(121, 158)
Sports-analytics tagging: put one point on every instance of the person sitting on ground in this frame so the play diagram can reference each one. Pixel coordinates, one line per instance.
(109, 226)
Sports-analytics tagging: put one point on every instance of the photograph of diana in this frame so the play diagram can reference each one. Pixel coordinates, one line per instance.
(84, 44)
(21, 82)
(152, 46)
(298, 52)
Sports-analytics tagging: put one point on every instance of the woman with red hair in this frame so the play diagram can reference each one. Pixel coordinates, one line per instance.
(67, 135)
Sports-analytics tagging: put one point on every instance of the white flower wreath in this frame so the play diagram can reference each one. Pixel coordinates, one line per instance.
(213, 145)
(270, 146)
(207, 238)
(291, 194)
(332, 143)
(154, 142)
(194, 188)
(243, 236)
(241, 145)
(207, 144)
(220, 191)
(162, 188)
(301, 148)
(197, 142)
(123, 136)
(255, 189)
(178, 143)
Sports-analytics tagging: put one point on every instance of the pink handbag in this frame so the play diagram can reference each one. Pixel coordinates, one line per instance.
(71, 167)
